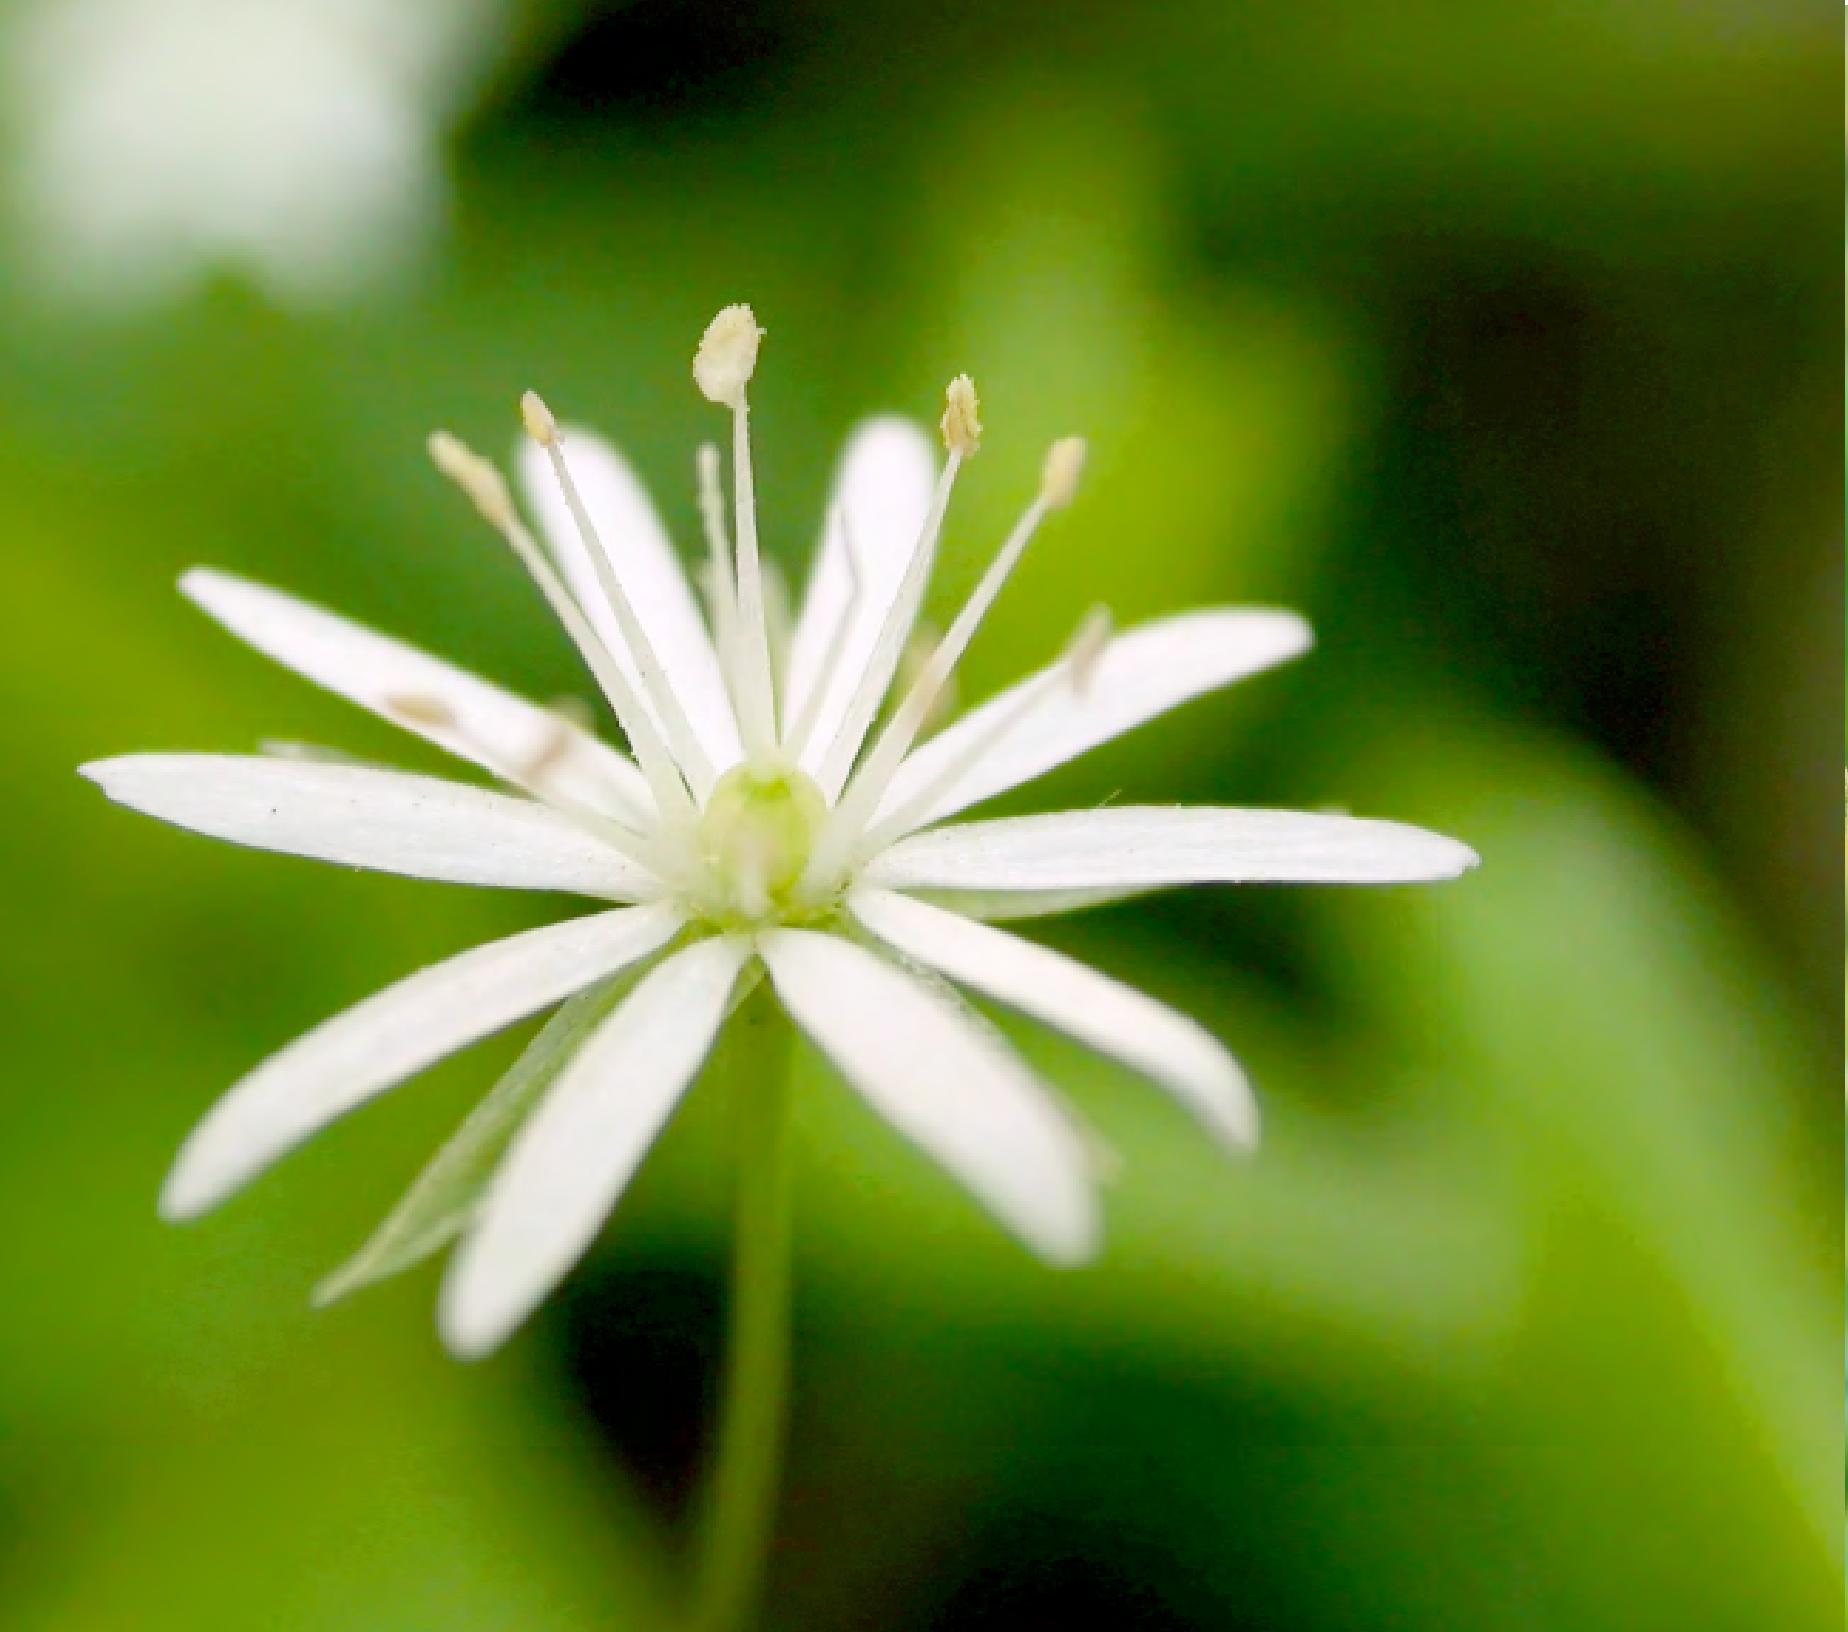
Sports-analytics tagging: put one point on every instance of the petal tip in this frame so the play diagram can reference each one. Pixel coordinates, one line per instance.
(1078, 1250)
(186, 1194)
(1465, 859)
(109, 774)
(1074, 1240)
(469, 1328)
(1240, 1132)
(330, 1289)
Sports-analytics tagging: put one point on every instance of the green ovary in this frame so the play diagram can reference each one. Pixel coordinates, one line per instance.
(755, 834)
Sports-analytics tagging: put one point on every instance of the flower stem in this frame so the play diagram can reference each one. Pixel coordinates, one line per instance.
(742, 1500)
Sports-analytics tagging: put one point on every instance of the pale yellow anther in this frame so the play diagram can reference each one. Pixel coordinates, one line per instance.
(537, 419)
(961, 424)
(575, 712)
(727, 355)
(1086, 650)
(544, 759)
(483, 485)
(1059, 478)
(416, 708)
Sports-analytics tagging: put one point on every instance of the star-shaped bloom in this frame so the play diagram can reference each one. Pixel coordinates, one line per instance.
(770, 821)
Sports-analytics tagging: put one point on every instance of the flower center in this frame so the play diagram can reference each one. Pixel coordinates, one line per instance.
(755, 835)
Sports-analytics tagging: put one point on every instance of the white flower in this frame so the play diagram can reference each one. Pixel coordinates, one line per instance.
(763, 826)
(297, 142)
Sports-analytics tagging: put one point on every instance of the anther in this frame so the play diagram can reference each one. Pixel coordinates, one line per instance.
(961, 423)
(727, 355)
(722, 367)
(480, 482)
(552, 749)
(414, 708)
(1059, 477)
(537, 419)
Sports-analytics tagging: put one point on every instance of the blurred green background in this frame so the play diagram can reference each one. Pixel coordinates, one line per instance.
(1500, 339)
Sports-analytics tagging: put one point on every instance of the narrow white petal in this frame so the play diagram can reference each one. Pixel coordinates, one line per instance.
(1136, 677)
(1113, 1018)
(882, 489)
(576, 1152)
(997, 906)
(394, 1034)
(651, 575)
(387, 821)
(472, 719)
(948, 1084)
(1147, 847)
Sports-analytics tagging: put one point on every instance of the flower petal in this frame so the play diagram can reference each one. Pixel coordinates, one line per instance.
(575, 1153)
(650, 572)
(1145, 847)
(1112, 1018)
(997, 906)
(394, 1034)
(445, 1197)
(882, 488)
(946, 1083)
(477, 721)
(388, 821)
(1136, 677)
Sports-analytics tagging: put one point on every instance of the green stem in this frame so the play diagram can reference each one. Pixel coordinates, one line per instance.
(742, 1502)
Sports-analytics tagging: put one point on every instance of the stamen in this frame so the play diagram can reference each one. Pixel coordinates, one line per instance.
(961, 437)
(722, 368)
(863, 793)
(757, 713)
(1075, 668)
(1059, 476)
(797, 734)
(543, 429)
(485, 486)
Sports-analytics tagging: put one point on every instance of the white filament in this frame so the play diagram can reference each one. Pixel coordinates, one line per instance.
(756, 683)
(869, 783)
(899, 618)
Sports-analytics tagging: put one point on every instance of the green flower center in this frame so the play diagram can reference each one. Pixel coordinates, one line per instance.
(755, 836)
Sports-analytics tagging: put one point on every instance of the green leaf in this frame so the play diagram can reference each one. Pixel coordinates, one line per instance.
(442, 1199)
